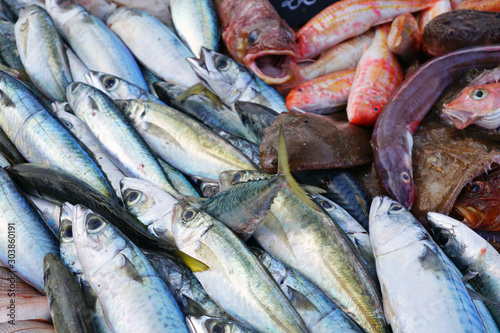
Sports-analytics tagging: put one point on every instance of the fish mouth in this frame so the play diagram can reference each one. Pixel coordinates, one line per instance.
(469, 214)
(461, 119)
(273, 67)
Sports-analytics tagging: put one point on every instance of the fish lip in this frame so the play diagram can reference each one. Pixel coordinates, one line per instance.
(460, 118)
(467, 214)
(190, 324)
(289, 59)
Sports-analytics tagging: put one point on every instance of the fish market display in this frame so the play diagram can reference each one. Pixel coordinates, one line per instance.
(41, 50)
(378, 75)
(323, 95)
(153, 44)
(93, 42)
(471, 254)
(348, 18)
(460, 28)
(405, 257)
(258, 38)
(392, 135)
(478, 202)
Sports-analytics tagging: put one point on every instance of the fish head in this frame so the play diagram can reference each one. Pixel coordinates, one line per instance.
(189, 225)
(68, 250)
(365, 106)
(230, 178)
(266, 46)
(96, 241)
(62, 11)
(478, 203)
(458, 241)
(301, 97)
(49, 261)
(392, 226)
(207, 324)
(222, 75)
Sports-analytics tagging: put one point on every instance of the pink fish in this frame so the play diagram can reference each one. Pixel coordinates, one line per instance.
(405, 38)
(440, 7)
(378, 75)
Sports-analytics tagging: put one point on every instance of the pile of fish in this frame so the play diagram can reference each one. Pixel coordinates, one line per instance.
(153, 180)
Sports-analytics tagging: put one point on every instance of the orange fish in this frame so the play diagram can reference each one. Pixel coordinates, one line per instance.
(484, 5)
(476, 104)
(378, 75)
(349, 18)
(405, 38)
(325, 94)
(442, 6)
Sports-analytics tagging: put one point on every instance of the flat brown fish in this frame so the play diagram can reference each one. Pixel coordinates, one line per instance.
(316, 142)
(258, 38)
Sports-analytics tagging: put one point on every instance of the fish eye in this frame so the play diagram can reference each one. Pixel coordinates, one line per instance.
(132, 196)
(297, 39)
(67, 108)
(326, 205)
(218, 328)
(188, 215)
(95, 223)
(109, 83)
(396, 208)
(479, 94)
(124, 105)
(253, 36)
(67, 124)
(475, 187)
(236, 177)
(405, 176)
(300, 89)
(376, 108)
(222, 64)
(67, 232)
(443, 239)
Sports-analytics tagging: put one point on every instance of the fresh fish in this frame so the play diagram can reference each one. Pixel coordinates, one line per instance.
(117, 88)
(126, 148)
(404, 38)
(249, 149)
(349, 18)
(476, 104)
(83, 133)
(179, 180)
(460, 28)
(406, 256)
(154, 45)
(481, 5)
(426, 15)
(378, 75)
(26, 237)
(203, 108)
(78, 68)
(150, 204)
(392, 135)
(256, 117)
(158, 124)
(42, 139)
(9, 151)
(233, 82)
(133, 297)
(195, 22)
(319, 313)
(49, 211)
(235, 279)
(206, 324)
(67, 303)
(158, 8)
(93, 42)
(323, 95)
(41, 50)
(8, 49)
(256, 36)
(99, 8)
(478, 202)
(62, 187)
(471, 254)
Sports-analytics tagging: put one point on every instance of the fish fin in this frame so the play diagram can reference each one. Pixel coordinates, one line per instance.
(128, 267)
(192, 308)
(284, 170)
(193, 90)
(478, 297)
(469, 276)
(312, 190)
(300, 302)
(192, 263)
(214, 261)
(274, 225)
(213, 97)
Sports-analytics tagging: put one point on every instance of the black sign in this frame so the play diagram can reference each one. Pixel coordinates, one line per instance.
(297, 12)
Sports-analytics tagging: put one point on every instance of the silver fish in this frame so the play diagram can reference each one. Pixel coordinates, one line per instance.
(41, 50)
(77, 67)
(407, 256)
(93, 42)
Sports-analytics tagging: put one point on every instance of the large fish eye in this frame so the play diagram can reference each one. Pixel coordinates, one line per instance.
(376, 108)
(132, 196)
(94, 223)
(326, 205)
(67, 232)
(396, 208)
(236, 177)
(189, 214)
(67, 124)
(405, 176)
(253, 36)
(218, 328)
(443, 239)
(475, 187)
(222, 63)
(479, 94)
(67, 108)
(124, 105)
(110, 83)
